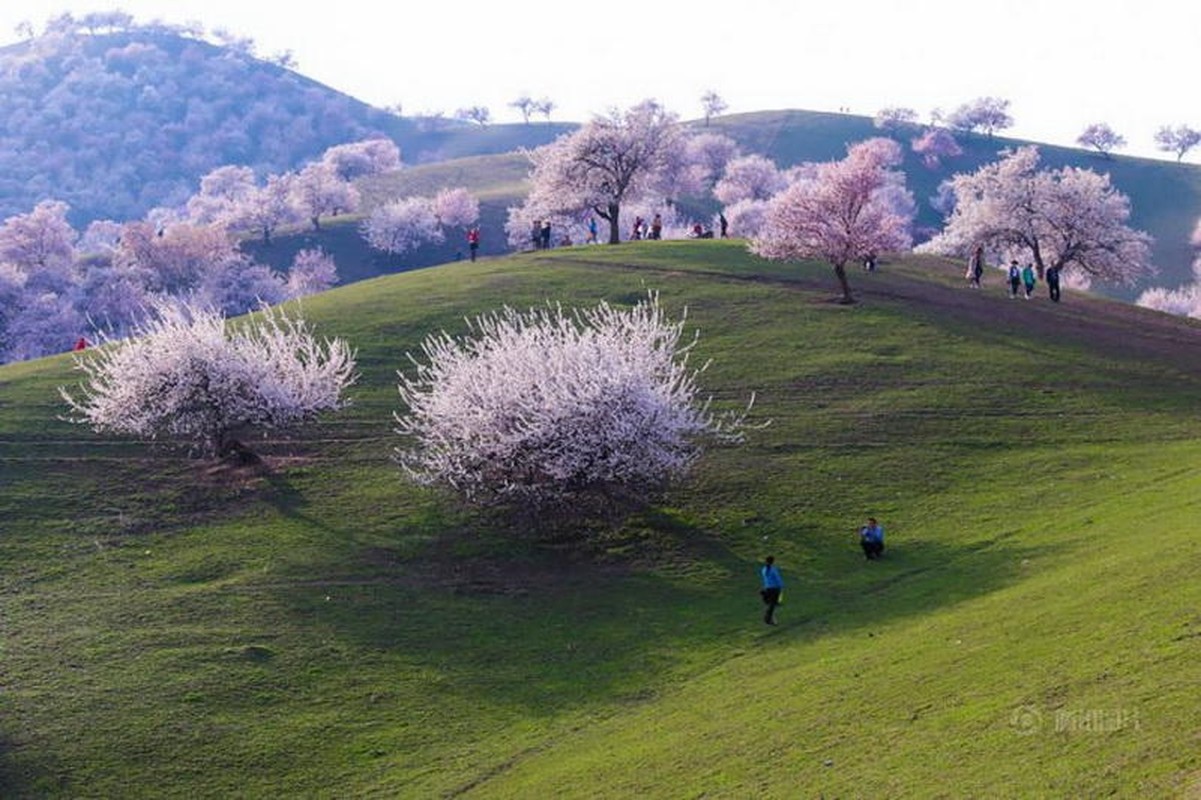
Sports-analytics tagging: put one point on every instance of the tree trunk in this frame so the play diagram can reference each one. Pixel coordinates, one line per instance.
(841, 271)
(614, 223)
(229, 448)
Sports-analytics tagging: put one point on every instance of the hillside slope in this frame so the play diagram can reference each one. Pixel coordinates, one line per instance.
(324, 629)
(118, 121)
(1165, 197)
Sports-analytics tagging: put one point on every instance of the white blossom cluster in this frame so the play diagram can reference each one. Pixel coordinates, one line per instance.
(185, 374)
(409, 222)
(545, 406)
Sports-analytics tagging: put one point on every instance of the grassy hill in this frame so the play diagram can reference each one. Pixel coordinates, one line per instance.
(497, 180)
(323, 629)
(1165, 196)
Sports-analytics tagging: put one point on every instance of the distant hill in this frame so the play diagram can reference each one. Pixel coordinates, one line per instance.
(119, 121)
(1165, 196)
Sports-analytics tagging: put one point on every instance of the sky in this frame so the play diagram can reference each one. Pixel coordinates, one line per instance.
(1062, 64)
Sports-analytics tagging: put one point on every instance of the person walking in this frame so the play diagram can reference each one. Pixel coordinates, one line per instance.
(1028, 279)
(473, 241)
(1053, 283)
(592, 232)
(773, 586)
(975, 267)
(546, 234)
(724, 224)
(657, 227)
(1015, 278)
(871, 539)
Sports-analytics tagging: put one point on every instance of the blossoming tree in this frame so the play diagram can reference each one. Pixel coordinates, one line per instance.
(547, 408)
(609, 161)
(1185, 300)
(841, 211)
(186, 374)
(1069, 218)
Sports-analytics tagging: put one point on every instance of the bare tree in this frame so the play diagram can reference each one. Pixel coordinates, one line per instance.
(480, 115)
(544, 107)
(526, 105)
(1178, 140)
(712, 105)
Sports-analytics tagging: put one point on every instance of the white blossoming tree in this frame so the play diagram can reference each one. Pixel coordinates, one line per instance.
(554, 409)
(186, 374)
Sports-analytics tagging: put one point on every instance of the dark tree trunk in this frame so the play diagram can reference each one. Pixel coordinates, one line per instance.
(231, 450)
(614, 223)
(841, 271)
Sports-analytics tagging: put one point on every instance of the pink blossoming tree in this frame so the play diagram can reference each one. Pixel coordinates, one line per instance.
(552, 409)
(611, 160)
(752, 177)
(185, 374)
(1101, 138)
(1069, 218)
(846, 211)
(934, 145)
(1184, 301)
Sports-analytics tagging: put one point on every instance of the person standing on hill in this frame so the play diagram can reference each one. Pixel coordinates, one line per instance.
(536, 234)
(724, 225)
(592, 231)
(975, 267)
(871, 538)
(473, 241)
(546, 234)
(657, 227)
(773, 585)
(1053, 283)
(1028, 279)
(1015, 278)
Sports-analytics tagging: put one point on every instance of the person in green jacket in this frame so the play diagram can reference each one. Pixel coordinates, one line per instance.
(1028, 279)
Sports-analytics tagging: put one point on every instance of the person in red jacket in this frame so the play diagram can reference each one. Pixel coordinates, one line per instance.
(80, 344)
(473, 241)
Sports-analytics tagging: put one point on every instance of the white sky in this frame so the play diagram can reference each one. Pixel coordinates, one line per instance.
(1062, 64)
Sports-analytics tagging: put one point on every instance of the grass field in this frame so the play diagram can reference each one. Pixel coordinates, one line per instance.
(322, 629)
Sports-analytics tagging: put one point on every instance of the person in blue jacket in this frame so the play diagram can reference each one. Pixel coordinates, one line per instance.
(773, 584)
(871, 537)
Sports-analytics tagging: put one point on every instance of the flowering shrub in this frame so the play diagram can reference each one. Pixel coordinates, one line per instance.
(548, 407)
(185, 374)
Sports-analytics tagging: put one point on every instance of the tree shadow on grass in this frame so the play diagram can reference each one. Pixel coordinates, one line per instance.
(26, 773)
(544, 627)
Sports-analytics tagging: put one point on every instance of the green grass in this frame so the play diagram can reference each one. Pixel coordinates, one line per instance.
(1165, 196)
(327, 630)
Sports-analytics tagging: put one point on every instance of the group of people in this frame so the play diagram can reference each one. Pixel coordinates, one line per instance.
(540, 234)
(1021, 279)
(871, 539)
(642, 231)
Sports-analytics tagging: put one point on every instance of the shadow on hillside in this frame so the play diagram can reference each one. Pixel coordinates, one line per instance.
(24, 773)
(547, 628)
